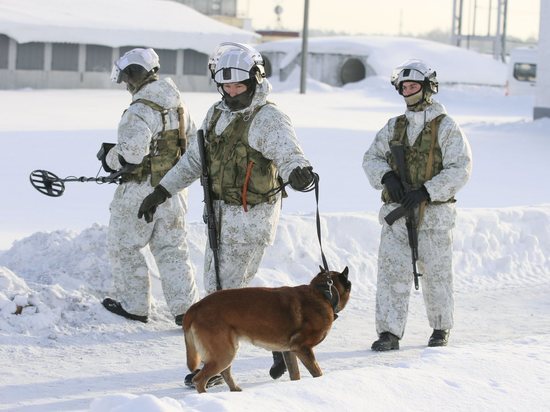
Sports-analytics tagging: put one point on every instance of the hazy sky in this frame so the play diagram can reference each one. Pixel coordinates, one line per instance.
(392, 16)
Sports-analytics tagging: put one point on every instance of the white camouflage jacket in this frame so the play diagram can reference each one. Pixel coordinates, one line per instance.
(139, 123)
(457, 165)
(272, 134)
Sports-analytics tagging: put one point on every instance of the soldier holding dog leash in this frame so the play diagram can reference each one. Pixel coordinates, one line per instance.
(250, 148)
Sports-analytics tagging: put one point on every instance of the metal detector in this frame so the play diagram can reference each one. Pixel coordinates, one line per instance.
(50, 185)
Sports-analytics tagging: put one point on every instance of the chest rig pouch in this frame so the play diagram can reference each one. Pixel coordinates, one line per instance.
(423, 159)
(240, 175)
(165, 149)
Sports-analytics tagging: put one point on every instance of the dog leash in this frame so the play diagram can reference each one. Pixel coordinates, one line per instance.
(314, 185)
(318, 219)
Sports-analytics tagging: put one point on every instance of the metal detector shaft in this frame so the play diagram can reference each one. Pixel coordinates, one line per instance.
(49, 184)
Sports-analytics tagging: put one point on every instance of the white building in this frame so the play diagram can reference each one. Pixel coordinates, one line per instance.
(341, 60)
(73, 43)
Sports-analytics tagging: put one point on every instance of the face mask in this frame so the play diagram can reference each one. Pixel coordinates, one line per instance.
(240, 101)
(413, 99)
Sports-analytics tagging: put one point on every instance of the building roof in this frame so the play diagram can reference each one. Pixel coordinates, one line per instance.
(154, 23)
(453, 64)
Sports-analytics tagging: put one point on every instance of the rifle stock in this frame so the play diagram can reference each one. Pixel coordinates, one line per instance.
(398, 153)
(209, 216)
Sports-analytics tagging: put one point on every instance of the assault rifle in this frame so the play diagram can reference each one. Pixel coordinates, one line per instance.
(208, 216)
(398, 153)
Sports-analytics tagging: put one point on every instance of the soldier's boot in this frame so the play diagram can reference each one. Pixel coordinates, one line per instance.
(279, 367)
(440, 337)
(386, 341)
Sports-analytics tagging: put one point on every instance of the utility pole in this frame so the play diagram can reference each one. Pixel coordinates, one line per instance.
(303, 73)
(498, 38)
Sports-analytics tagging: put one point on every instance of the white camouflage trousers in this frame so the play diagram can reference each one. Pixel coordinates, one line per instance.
(239, 262)
(395, 278)
(243, 238)
(166, 237)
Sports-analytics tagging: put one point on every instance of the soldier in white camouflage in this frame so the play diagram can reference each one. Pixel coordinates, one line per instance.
(152, 136)
(438, 164)
(251, 147)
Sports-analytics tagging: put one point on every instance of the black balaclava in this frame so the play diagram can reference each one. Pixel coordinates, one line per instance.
(240, 101)
(136, 77)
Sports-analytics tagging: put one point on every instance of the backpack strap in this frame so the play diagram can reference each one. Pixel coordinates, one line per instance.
(157, 107)
(434, 126)
(182, 136)
(182, 141)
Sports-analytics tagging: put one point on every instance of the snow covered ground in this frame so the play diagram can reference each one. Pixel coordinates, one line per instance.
(65, 352)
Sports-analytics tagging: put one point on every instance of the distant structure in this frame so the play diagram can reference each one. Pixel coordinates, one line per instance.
(280, 33)
(224, 11)
(463, 36)
(340, 60)
(273, 35)
(69, 44)
(542, 96)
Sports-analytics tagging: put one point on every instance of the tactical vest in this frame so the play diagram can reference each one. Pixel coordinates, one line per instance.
(419, 168)
(165, 148)
(240, 175)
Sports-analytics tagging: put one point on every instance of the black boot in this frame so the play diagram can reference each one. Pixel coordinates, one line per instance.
(115, 307)
(179, 320)
(214, 380)
(279, 366)
(386, 341)
(440, 337)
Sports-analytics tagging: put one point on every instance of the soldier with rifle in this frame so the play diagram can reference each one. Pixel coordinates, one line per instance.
(247, 147)
(419, 160)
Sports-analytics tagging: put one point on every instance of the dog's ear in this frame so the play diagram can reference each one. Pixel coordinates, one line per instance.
(344, 279)
(345, 272)
(322, 269)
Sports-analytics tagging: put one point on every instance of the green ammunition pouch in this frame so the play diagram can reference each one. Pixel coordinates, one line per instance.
(165, 149)
(423, 159)
(239, 174)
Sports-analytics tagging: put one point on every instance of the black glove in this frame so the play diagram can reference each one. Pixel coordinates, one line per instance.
(102, 156)
(149, 205)
(301, 177)
(415, 197)
(394, 187)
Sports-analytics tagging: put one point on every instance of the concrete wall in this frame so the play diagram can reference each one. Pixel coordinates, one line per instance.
(331, 68)
(45, 78)
(542, 96)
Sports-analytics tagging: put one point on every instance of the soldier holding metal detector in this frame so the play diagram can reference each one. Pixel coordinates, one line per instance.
(419, 160)
(249, 148)
(152, 136)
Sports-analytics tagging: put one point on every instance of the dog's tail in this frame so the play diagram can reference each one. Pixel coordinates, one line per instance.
(193, 357)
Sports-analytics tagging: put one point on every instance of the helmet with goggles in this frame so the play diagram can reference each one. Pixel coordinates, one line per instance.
(236, 63)
(146, 59)
(415, 71)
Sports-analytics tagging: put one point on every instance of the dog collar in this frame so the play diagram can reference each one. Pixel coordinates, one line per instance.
(333, 298)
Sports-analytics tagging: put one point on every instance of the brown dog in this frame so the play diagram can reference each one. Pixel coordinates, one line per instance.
(286, 319)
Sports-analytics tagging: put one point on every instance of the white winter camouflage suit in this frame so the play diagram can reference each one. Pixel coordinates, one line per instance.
(434, 235)
(244, 236)
(166, 235)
